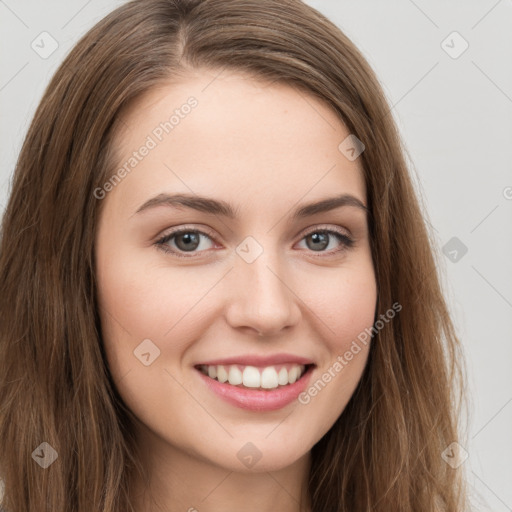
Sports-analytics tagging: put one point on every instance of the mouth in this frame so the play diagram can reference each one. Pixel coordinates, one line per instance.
(263, 378)
(256, 388)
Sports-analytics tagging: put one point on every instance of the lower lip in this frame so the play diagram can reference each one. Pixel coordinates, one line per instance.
(255, 399)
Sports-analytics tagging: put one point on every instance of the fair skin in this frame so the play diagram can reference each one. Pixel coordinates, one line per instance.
(266, 150)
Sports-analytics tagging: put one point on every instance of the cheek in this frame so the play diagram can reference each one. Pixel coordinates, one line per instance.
(343, 301)
(146, 297)
(141, 300)
(351, 312)
(147, 316)
(344, 304)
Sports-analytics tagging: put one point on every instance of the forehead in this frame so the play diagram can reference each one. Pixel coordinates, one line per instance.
(242, 136)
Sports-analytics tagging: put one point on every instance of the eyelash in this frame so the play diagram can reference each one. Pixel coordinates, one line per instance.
(161, 244)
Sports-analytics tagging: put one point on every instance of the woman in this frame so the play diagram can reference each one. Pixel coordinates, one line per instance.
(218, 288)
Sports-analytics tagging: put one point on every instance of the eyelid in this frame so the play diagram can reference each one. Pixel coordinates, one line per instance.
(325, 227)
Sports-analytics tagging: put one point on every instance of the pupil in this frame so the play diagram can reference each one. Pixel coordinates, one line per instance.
(319, 238)
(191, 241)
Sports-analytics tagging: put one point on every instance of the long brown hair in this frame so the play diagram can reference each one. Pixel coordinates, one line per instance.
(384, 453)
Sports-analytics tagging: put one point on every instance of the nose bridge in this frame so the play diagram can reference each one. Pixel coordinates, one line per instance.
(262, 298)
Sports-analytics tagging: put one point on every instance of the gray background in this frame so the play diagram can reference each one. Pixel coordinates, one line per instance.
(455, 116)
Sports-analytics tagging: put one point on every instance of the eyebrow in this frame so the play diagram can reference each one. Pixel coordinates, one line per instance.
(219, 207)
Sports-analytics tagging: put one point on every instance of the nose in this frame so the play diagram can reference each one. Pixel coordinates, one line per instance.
(262, 297)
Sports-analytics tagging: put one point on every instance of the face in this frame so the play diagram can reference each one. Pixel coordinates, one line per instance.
(239, 277)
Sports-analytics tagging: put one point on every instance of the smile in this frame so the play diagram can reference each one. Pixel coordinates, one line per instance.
(265, 388)
(269, 377)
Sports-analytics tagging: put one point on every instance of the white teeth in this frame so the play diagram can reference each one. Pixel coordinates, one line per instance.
(222, 374)
(293, 374)
(234, 376)
(269, 378)
(253, 377)
(282, 378)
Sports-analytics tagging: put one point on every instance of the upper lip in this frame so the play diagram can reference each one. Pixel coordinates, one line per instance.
(258, 360)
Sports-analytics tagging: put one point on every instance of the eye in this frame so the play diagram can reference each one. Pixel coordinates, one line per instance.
(320, 239)
(187, 240)
(183, 240)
